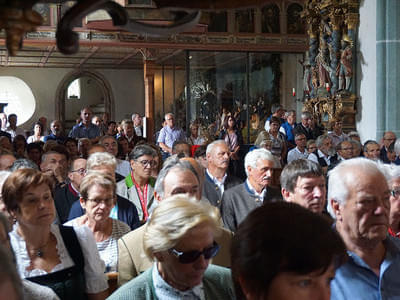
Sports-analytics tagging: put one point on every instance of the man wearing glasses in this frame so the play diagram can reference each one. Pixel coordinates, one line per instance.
(178, 176)
(388, 138)
(66, 195)
(138, 186)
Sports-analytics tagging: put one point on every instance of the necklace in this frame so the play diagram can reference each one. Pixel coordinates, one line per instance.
(39, 252)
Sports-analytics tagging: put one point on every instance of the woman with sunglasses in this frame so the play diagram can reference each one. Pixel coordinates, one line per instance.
(98, 198)
(179, 237)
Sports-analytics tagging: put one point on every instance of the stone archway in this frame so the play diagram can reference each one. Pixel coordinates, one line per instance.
(65, 82)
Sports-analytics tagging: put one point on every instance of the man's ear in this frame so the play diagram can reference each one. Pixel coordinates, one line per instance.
(82, 202)
(336, 209)
(286, 195)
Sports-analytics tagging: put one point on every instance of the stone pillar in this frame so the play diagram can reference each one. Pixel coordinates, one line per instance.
(387, 66)
(148, 71)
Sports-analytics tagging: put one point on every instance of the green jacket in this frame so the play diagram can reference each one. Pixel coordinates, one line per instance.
(217, 282)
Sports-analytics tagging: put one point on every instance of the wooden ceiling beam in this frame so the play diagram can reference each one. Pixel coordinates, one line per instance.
(45, 58)
(130, 55)
(93, 50)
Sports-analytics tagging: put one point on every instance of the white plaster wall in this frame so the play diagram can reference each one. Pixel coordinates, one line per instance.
(366, 71)
(292, 77)
(127, 88)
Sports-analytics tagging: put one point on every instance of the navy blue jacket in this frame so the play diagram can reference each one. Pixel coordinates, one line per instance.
(127, 212)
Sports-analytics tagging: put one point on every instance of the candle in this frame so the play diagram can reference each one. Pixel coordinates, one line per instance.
(328, 88)
(294, 92)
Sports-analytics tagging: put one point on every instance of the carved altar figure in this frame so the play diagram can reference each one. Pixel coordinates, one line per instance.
(345, 68)
(323, 67)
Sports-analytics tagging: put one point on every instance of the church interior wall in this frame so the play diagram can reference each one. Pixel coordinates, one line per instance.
(366, 119)
(127, 88)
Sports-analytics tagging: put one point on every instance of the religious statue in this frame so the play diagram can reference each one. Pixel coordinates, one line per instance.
(345, 69)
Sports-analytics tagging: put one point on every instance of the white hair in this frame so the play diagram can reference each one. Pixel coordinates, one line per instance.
(254, 156)
(343, 174)
(390, 171)
(99, 159)
(211, 146)
(397, 147)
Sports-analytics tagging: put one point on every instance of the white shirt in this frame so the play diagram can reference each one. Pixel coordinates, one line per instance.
(296, 154)
(220, 184)
(314, 158)
(95, 279)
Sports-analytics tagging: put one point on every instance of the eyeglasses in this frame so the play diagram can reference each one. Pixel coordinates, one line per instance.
(395, 193)
(81, 171)
(107, 202)
(146, 163)
(192, 256)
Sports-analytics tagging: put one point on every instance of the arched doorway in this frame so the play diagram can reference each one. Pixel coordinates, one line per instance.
(98, 80)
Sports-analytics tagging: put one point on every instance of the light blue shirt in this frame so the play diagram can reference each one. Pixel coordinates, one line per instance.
(356, 280)
(169, 135)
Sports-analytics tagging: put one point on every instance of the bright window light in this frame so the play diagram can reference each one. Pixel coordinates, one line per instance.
(74, 89)
(19, 98)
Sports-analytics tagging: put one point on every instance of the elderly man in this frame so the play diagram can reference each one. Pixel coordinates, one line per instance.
(124, 210)
(239, 201)
(137, 124)
(300, 151)
(344, 151)
(176, 177)
(359, 200)
(217, 180)
(169, 134)
(303, 182)
(304, 126)
(129, 133)
(66, 195)
(392, 173)
(111, 145)
(56, 133)
(337, 135)
(388, 138)
(55, 163)
(138, 186)
(325, 154)
(371, 150)
(85, 129)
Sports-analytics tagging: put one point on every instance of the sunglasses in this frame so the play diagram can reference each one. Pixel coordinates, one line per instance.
(192, 256)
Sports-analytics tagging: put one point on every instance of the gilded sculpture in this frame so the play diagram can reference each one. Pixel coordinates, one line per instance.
(331, 27)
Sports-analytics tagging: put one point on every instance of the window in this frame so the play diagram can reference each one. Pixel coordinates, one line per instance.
(16, 97)
(74, 89)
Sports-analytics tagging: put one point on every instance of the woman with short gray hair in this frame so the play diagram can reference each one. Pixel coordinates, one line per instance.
(179, 237)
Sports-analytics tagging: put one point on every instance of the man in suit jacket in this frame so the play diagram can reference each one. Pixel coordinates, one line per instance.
(176, 177)
(138, 186)
(304, 126)
(66, 195)
(216, 178)
(240, 200)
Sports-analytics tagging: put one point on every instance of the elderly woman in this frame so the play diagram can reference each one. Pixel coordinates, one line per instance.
(179, 237)
(392, 174)
(270, 262)
(59, 257)
(98, 198)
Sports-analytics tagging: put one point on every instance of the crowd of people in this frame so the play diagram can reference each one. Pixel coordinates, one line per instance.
(103, 213)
